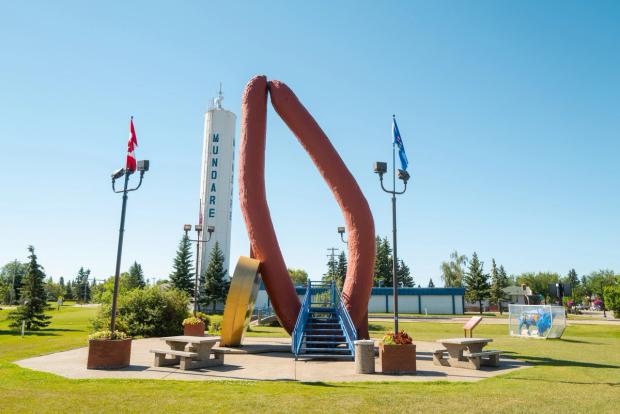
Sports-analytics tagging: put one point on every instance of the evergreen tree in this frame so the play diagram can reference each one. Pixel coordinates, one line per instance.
(136, 276)
(332, 268)
(213, 283)
(430, 283)
(69, 291)
(383, 263)
(341, 270)
(403, 275)
(183, 271)
(81, 286)
(476, 282)
(61, 283)
(499, 281)
(34, 301)
(572, 278)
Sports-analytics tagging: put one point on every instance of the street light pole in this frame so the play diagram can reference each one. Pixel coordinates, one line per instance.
(142, 167)
(198, 228)
(381, 168)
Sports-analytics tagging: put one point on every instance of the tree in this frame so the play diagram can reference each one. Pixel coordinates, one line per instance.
(572, 278)
(332, 266)
(12, 275)
(183, 271)
(341, 270)
(34, 301)
(69, 291)
(403, 275)
(452, 272)
(299, 277)
(597, 281)
(82, 288)
(136, 276)
(383, 263)
(499, 281)
(476, 282)
(539, 282)
(213, 283)
(430, 283)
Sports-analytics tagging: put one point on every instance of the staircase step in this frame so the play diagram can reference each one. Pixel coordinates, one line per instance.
(326, 356)
(326, 342)
(338, 351)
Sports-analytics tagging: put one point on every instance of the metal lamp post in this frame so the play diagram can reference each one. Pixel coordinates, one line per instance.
(142, 167)
(381, 168)
(198, 228)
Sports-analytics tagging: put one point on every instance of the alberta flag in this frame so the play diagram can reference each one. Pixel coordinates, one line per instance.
(399, 142)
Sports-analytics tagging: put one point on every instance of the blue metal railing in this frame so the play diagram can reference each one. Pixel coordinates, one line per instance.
(350, 333)
(323, 295)
(302, 318)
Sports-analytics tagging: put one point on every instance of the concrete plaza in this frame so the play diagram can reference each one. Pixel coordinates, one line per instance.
(262, 359)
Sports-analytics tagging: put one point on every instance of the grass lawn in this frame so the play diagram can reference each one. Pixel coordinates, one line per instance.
(580, 373)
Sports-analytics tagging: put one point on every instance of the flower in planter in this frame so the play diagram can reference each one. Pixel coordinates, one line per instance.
(400, 338)
(192, 320)
(103, 335)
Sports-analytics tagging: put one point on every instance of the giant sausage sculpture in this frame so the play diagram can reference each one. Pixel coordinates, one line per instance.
(263, 240)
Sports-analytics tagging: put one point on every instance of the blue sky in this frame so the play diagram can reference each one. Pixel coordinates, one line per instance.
(510, 113)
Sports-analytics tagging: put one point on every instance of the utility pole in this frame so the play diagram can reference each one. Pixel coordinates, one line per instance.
(332, 262)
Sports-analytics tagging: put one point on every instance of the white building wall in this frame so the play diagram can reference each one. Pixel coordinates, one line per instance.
(216, 184)
(438, 304)
(434, 304)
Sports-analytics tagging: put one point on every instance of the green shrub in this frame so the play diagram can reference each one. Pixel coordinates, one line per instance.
(612, 299)
(147, 312)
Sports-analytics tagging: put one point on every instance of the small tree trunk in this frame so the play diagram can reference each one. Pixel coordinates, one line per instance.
(480, 302)
(499, 304)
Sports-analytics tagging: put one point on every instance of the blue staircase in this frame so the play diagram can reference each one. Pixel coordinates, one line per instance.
(324, 329)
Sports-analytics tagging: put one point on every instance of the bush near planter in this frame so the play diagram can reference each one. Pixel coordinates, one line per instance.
(397, 354)
(612, 299)
(147, 312)
(108, 351)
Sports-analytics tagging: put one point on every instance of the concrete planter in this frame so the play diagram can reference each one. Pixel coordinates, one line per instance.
(397, 359)
(108, 353)
(194, 330)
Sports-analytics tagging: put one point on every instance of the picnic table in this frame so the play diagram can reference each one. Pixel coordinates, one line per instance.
(465, 353)
(189, 352)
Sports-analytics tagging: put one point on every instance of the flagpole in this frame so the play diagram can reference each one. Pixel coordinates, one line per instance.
(119, 253)
(394, 256)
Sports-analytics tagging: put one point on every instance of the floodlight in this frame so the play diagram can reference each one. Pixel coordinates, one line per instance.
(403, 175)
(380, 167)
(341, 230)
(143, 165)
(198, 227)
(210, 229)
(187, 227)
(118, 173)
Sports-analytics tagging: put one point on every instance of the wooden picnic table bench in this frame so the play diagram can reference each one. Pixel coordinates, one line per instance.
(189, 352)
(466, 353)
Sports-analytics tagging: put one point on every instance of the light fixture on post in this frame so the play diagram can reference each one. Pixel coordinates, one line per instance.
(380, 168)
(198, 229)
(142, 166)
(341, 231)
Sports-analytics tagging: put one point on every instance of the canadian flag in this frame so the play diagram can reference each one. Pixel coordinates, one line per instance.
(131, 145)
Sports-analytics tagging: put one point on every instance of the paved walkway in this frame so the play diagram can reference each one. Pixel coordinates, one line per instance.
(272, 366)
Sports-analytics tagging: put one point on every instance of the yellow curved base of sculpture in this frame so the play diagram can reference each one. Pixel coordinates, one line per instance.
(240, 301)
